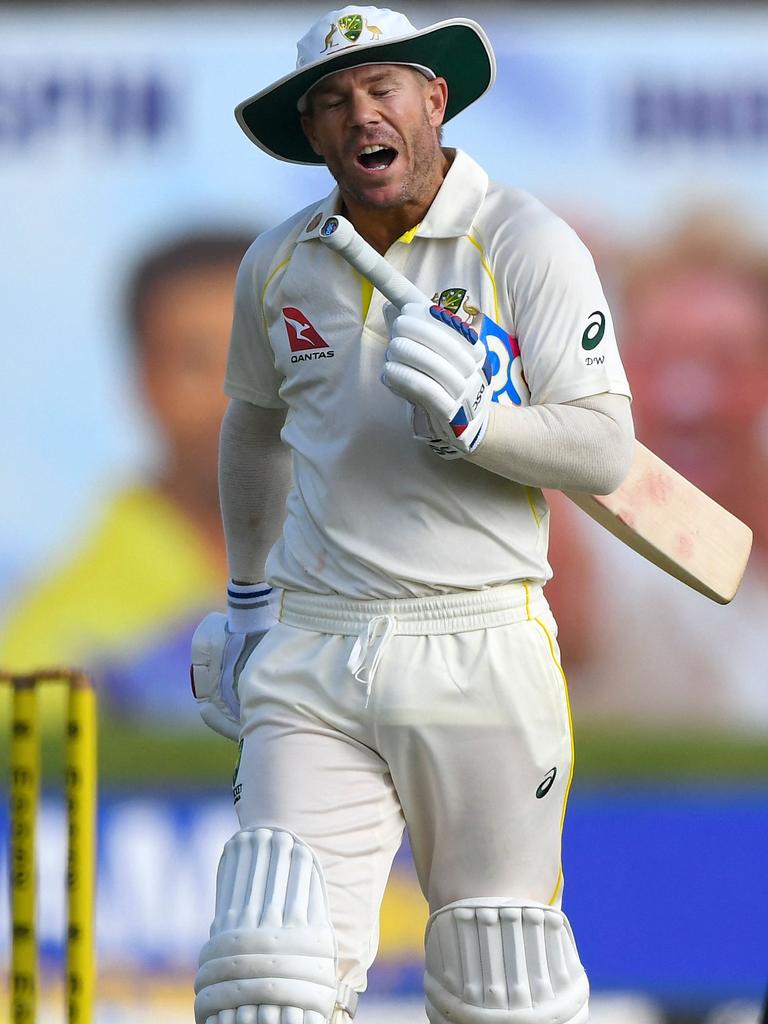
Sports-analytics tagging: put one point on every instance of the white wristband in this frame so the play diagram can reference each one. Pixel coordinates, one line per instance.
(251, 607)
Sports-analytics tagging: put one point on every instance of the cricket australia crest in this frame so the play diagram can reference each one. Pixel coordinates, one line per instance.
(456, 301)
(451, 299)
(351, 26)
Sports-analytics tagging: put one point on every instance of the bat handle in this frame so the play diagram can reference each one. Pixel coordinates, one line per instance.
(338, 234)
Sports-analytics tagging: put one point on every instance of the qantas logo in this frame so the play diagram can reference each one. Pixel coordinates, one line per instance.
(301, 334)
(305, 341)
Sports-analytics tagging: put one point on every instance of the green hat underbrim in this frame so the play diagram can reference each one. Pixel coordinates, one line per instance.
(456, 50)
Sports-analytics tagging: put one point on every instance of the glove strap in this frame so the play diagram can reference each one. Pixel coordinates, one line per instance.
(251, 607)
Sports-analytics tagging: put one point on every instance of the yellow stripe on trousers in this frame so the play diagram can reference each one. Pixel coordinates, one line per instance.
(551, 642)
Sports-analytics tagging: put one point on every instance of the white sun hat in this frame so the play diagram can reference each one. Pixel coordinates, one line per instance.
(457, 50)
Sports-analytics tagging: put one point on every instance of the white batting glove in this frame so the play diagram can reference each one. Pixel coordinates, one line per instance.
(221, 646)
(439, 364)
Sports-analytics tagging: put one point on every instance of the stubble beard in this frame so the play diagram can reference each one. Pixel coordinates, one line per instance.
(420, 182)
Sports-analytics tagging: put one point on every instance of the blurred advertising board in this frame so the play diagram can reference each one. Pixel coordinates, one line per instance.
(116, 131)
(663, 887)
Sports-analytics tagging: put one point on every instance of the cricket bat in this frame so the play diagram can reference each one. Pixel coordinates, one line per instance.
(656, 511)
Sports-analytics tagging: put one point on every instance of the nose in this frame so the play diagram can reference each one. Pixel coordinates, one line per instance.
(363, 110)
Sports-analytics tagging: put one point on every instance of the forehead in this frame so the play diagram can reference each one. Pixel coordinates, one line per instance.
(366, 74)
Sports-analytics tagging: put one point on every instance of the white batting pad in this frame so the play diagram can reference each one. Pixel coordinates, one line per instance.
(496, 961)
(271, 957)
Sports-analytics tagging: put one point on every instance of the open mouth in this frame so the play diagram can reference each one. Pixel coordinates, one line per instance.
(376, 157)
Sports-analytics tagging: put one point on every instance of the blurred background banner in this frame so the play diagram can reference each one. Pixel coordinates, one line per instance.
(116, 132)
(129, 195)
(664, 922)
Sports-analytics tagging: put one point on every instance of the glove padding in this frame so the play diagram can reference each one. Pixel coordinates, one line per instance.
(439, 364)
(219, 655)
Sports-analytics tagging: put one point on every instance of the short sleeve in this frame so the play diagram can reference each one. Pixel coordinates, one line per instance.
(562, 321)
(251, 373)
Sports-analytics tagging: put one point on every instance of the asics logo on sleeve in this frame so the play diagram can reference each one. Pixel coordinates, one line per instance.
(594, 331)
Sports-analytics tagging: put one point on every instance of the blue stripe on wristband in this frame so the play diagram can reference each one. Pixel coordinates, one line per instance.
(248, 595)
(250, 607)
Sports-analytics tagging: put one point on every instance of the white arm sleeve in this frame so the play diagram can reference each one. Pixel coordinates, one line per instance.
(586, 445)
(254, 479)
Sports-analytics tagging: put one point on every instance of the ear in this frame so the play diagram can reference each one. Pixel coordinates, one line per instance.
(437, 100)
(307, 126)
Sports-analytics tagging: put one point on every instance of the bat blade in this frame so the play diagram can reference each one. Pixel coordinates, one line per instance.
(663, 517)
(656, 511)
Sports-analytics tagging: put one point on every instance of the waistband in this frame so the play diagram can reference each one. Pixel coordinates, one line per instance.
(456, 612)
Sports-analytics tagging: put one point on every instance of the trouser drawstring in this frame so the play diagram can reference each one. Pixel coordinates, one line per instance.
(367, 651)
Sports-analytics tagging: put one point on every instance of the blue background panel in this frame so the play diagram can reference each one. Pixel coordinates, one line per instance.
(668, 889)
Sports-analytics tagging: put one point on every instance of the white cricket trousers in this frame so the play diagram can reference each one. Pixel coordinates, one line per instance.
(447, 714)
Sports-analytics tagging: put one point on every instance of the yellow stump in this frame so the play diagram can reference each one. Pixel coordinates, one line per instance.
(81, 868)
(81, 767)
(25, 794)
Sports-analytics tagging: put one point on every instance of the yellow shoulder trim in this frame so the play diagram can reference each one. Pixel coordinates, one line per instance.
(366, 295)
(267, 283)
(487, 268)
(532, 503)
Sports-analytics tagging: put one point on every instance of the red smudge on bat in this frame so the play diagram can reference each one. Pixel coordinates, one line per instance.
(684, 545)
(656, 487)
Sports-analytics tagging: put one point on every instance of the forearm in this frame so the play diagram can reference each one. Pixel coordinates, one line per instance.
(579, 446)
(254, 479)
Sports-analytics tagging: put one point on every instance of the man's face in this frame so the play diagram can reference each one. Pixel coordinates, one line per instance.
(376, 128)
(183, 359)
(696, 350)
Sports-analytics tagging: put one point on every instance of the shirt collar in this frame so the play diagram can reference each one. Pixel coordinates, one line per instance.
(451, 214)
(458, 200)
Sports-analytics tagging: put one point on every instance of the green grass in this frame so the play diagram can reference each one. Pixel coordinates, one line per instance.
(158, 758)
(623, 753)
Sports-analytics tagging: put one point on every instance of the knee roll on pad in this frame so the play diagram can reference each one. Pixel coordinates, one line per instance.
(497, 961)
(271, 957)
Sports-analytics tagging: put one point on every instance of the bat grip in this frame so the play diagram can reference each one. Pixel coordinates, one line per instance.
(338, 234)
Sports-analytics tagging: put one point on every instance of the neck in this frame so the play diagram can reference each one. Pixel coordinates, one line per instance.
(381, 226)
(198, 502)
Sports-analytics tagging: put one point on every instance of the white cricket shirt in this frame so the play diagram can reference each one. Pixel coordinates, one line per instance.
(373, 513)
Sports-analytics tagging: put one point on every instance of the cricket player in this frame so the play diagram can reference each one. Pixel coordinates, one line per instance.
(388, 658)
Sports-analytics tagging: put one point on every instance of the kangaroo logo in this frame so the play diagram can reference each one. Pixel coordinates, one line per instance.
(301, 334)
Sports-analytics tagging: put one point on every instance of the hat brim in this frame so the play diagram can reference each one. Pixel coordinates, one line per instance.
(457, 50)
